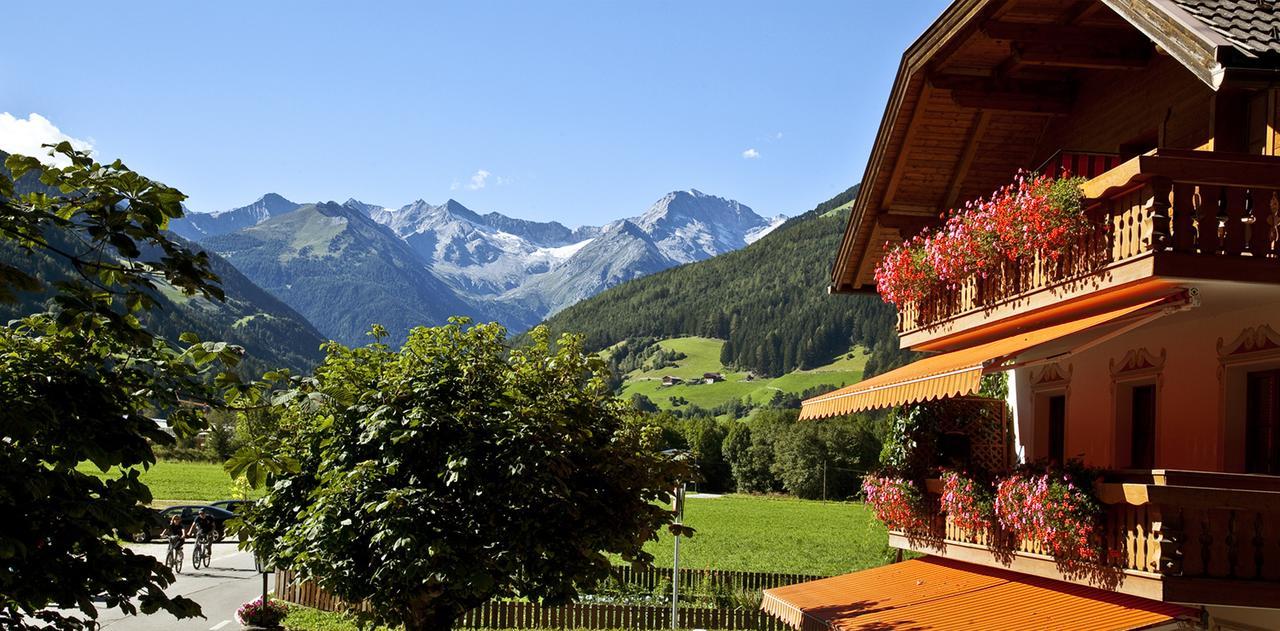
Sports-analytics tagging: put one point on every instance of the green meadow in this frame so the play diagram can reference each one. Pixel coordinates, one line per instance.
(702, 355)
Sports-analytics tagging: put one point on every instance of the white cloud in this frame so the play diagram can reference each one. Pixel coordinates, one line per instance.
(751, 154)
(478, 180)
(25, 135)
(777, 136)
(455, 185)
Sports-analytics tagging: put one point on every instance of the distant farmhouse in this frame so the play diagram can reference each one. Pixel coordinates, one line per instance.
(712, 377)
(668, 380)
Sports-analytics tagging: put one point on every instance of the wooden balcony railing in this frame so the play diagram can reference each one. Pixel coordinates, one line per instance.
(1186, 213)
(1179, 536)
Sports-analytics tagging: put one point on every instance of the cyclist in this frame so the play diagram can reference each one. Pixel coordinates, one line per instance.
(173, 532)
(202, 528)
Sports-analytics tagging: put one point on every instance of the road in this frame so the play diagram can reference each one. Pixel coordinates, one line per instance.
(221, 588)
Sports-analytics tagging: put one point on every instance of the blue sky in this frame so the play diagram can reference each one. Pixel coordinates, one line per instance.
(575, 111)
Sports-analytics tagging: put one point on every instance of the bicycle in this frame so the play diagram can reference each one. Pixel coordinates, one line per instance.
(174, 559)
(202, 551)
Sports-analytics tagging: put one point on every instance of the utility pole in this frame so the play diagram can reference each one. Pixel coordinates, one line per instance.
(678, 500)
(824, 480)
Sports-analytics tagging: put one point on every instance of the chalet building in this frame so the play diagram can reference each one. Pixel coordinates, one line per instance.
(668, 380)
(712, 377)
(1149, 349)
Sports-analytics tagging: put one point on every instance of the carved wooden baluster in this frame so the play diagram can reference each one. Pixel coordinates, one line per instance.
(1260, 227)
(1233, 230)
(1141, 533)
(1193, 545)
(1270, 554)
(1157, 229)
(1207, 220)
(1171, 540)
(1273, 202)
(1257, 544)
(1184, 217)
(1218, 557)
(1245, 564)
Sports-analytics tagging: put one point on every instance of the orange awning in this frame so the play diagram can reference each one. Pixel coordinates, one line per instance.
(938, 593)
(947, 374)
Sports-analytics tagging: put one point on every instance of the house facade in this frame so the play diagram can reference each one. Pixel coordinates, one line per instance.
(1147, 347)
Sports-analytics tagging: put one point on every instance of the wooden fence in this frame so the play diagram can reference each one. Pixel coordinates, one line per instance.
(691, 578)
(523, 615)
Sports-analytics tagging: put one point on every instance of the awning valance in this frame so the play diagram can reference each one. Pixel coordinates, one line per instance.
(952, 374)
(938, 593)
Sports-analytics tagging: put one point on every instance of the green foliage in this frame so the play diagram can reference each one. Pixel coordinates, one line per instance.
(705, 437)
(271, 333)
(456, 470)
(221, 442)
(816, 459)
(768, 300)
(78, 384)
(749, 448)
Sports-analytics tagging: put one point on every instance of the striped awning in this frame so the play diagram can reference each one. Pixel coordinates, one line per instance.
(938, 593)
(952, 374)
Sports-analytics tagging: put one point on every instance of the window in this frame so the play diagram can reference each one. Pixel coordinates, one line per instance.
(1142, 442)
(1058, 428)
(1262, 422)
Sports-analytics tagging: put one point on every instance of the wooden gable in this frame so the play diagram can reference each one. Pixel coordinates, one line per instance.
(994, 86)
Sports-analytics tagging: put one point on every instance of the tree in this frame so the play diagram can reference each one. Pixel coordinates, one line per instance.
(456, 470)
(642, 403)
(705, 437)
(826, 457)
(78, 382)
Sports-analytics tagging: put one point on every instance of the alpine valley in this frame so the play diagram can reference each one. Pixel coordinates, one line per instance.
(346, 266)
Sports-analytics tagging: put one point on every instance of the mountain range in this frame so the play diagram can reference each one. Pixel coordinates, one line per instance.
(346, 266)
(767, 301)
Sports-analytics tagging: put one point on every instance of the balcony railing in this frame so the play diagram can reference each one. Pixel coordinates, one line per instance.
(1179, 536)
(1195, 214)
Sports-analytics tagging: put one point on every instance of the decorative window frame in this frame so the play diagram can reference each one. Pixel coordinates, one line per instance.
(1137, 367)
(1254, 348)
(1052, 380)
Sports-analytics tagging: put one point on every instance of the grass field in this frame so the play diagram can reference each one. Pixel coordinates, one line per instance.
(768, 534)
(187, 481)
(703, 356)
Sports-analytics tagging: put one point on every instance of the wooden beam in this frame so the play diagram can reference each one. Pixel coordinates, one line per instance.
(1029, 96)
(913, 126)
(966, 158)
(1092, 59)
(911, 209)
(1063, 34)
(1013, 101)
(907, 225)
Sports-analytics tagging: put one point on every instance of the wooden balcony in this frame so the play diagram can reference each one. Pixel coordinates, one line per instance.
(1171, 215)
(1177, 536)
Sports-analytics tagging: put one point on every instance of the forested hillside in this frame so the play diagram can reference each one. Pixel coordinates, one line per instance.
(272, 334)
(768, 300)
